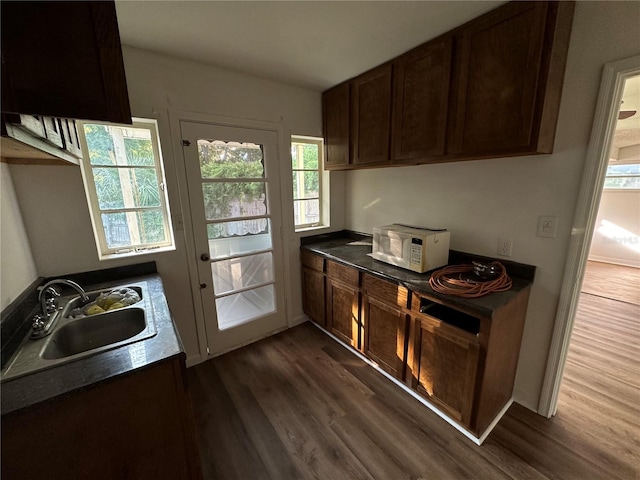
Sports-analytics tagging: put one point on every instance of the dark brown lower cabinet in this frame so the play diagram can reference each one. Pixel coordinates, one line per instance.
(462, 362)
(343, 302)
(343, 311)
(385, 324)
(385, 335)
(136, 426)
(313, 301)
(313, 287)
(444, 366)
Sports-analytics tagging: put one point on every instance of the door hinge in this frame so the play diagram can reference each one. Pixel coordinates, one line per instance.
(186, 143)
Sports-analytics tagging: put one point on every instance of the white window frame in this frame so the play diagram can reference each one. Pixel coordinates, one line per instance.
(104, 251)
(323, 184)
(631, 175)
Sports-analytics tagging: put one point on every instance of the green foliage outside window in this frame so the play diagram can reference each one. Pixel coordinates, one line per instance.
(310, 162)
(235, 163)
(143, 181)
(130, 183)
(99, 144)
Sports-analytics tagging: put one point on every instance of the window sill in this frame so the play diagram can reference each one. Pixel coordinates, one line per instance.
(311, 229)
(147, 251)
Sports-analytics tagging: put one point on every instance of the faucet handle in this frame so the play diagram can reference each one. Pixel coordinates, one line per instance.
(38, 323)
(50, 305)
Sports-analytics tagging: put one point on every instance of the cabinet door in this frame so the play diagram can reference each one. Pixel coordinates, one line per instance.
(313, 301)
(498, 80)
(444, 366)
(63, 59)
(343, 311)
(336, 118)
(421, 96)
(385, 336)
(371, 117)
(102, 436)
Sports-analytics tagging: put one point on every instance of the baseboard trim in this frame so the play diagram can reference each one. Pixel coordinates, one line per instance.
(495, 421)
(425, 402)
(298, 321)
(194, 360)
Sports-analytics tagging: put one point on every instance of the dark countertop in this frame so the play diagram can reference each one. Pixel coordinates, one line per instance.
(82, 373)
(338, 249)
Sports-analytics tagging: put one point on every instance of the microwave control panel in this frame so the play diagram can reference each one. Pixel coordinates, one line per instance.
(416, 251)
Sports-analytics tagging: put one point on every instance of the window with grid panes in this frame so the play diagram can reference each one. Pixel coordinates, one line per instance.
(306, 158)
(124, 182)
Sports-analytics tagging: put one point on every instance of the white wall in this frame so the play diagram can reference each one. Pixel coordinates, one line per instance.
(616, 238)
(18, 268)
(483, 200)
(53, 202)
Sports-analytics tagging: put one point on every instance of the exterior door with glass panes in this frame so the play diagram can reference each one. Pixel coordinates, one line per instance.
(234, 195)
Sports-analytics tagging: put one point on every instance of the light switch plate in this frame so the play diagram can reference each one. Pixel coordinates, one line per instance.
(547, 226)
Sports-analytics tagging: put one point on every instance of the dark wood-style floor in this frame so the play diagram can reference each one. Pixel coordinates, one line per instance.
(298, 405)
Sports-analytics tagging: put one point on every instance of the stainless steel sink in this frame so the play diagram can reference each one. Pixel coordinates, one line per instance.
(79, 337)
(94, 332)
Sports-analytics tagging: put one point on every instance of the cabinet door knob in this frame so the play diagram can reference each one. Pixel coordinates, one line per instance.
(204, 257)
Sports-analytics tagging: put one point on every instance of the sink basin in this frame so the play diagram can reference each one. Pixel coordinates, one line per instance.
(94, 332)
(82, 336)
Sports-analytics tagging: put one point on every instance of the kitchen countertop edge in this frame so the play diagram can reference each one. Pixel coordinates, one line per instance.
(356, 256)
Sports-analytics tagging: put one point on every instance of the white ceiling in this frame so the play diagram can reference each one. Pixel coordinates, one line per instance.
(312, 44)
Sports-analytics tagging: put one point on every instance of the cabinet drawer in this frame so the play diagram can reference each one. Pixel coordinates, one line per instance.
(346, 274)
(452, 321)
(311, 260)
(386, 291)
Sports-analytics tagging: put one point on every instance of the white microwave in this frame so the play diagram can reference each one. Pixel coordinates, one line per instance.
(414, 248)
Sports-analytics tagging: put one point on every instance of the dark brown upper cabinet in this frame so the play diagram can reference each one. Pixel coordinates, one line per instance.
(508, 79)
(63, 59)
(489, 88)
(421, 95)
(371, 117)
(336, 123)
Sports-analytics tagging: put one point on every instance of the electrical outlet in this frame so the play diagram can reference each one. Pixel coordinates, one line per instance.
(505, 245)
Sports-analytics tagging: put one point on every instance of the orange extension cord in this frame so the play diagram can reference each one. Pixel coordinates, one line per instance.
(450, 280)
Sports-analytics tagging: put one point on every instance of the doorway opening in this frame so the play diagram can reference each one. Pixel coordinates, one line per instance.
(598, 173)
(600, 385)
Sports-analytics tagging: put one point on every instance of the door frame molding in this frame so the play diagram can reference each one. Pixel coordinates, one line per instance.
(604, 124)
(177, 116)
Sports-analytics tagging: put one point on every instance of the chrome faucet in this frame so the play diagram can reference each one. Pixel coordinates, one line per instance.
(44, 322)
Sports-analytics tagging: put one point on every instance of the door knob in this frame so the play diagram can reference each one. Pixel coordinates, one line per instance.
(204, 257)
